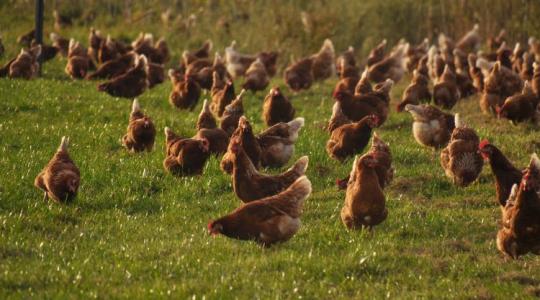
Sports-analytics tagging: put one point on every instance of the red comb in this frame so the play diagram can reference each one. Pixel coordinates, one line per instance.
(483, 143)
(210, 225)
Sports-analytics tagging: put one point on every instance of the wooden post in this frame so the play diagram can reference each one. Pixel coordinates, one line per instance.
(39, 27)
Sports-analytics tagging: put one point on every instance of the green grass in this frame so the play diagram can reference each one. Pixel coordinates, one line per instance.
(129, 235)
(143, 237)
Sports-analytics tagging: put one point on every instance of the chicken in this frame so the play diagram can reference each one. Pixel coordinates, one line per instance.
(365, 204)
(185, 93)
(460, 159)
(461, 61)
(163, 52)
(107, 51)
(431, 127)
(504, 55)
(526, 67)
(323, 66)
(534, 48)
(60, 43)
(60, 179)
(506, 175)
(25, 65)
(346, 59)
(277, 142)
(445, 59)
(349, 78)
(520, 107)
(250, 185)
(141, 39)
(423, 67)
(518, 58)
(376, 54)
(237, 63)
(391, 66)
(48, 52)
(492, 96)
(4, 70)
(269, 59)
(25, 39)
(475, 73)
(232, 113)
(201, 71)
(417, 92)
(78, 61)
(256, 78)
(376, 102)
(433, 63)
(94, 40)
(249, 143)
(445, 91)
(415, 54)
(536, 80)
(267, 221)
(277, 108)
(204, 50)
(464, 81)
(156, 74)
(337, 119)
(218, 139)
(185, 156)
(363, 86)
(130, 84)
(520, 232)
(115, 67)
(141, 132)
(383, 167)
(350, 139)
(484, 65)
(207, 128)
(157, 53)
(299, 76)
(206, 118)
(502, 80)
(220, 68)
(471, 41)
(222, 94)
(495, 42)
(61, 21)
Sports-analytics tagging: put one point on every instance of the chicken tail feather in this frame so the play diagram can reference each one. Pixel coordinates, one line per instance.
(301, 165)
(135, 107)
(295, 126)
(535, 161)
(64, 144)
(292, 199)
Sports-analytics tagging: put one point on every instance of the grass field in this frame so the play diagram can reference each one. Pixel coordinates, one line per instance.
(135, 231)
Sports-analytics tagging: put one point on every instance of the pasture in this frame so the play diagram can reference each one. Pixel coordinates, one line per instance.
(135, 231)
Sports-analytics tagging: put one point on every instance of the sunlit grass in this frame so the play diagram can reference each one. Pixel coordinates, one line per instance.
(132, 235)
(144, 236)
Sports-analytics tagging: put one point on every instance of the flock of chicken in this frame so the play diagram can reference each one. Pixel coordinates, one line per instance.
(508, 81)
